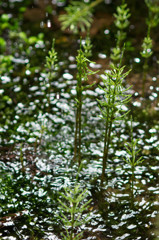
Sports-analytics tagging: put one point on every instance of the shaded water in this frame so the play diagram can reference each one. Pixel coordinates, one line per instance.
(37, 143)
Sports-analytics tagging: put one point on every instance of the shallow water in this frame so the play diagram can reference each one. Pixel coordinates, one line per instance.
(37, 142)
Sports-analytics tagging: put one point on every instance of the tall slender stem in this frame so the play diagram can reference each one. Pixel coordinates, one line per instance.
(105, 152)
(77, 147)
(79, 129)
(76, 134)
(93, 4)
(144, 76)
(108, 130)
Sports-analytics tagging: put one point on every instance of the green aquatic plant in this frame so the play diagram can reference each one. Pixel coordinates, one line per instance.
(73, 206)
(112, 106)
(146, 47)
(87, 46)
(153, 18)
(146, 53)
(82, 76)
(78, 16)
(121, 22)
(132, 155)
(51, 68)
(152, 21)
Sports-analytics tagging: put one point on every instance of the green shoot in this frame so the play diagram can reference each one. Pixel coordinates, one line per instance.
(88, 47)
(72, 209)
(51, 67)
(146, 47)
(152, 21)
(82, 75)
(112, 107)
(121, 22)
(131, 159)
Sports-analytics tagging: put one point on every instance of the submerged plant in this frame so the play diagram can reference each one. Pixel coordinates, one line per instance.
(82, 75)
(121, 22)
(78, 16)
(72, 209)
(112, 107)
(132, 152)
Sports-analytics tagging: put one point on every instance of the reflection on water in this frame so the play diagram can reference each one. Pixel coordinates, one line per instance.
(37, 141)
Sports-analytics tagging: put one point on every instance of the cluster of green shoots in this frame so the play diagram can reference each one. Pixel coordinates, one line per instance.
(78, 18)
(115, 94)
(112, 106)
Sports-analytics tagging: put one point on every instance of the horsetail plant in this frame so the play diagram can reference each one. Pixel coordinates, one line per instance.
(51, 68)
(87, 47)
(152, 21)
(146, 53)
(131, 159)
(78, 16)
(112, 107)
(72, 209)
(121, 22)
(82, 75)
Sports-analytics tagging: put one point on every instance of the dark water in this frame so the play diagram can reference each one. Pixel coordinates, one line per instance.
(37, 139)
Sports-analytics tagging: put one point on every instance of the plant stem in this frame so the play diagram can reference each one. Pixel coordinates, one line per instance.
(77, 147)
(132, 187)
(108, 130)
(49, 93)
(93, 4)
(132, 180)
(144, 76)
(75, 140)
(79, 130)
(105, 153)
(72, 221)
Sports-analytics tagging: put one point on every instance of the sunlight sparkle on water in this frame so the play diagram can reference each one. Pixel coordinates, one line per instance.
(123, 236)
(93, 65)
(131, 226)
(137, 60)
(67, 76)
(49, 24)
(27, 72)
(73, 66)
(106, 31)
(154, 79)
(102, 55)
(5, 79)
(137, 104)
